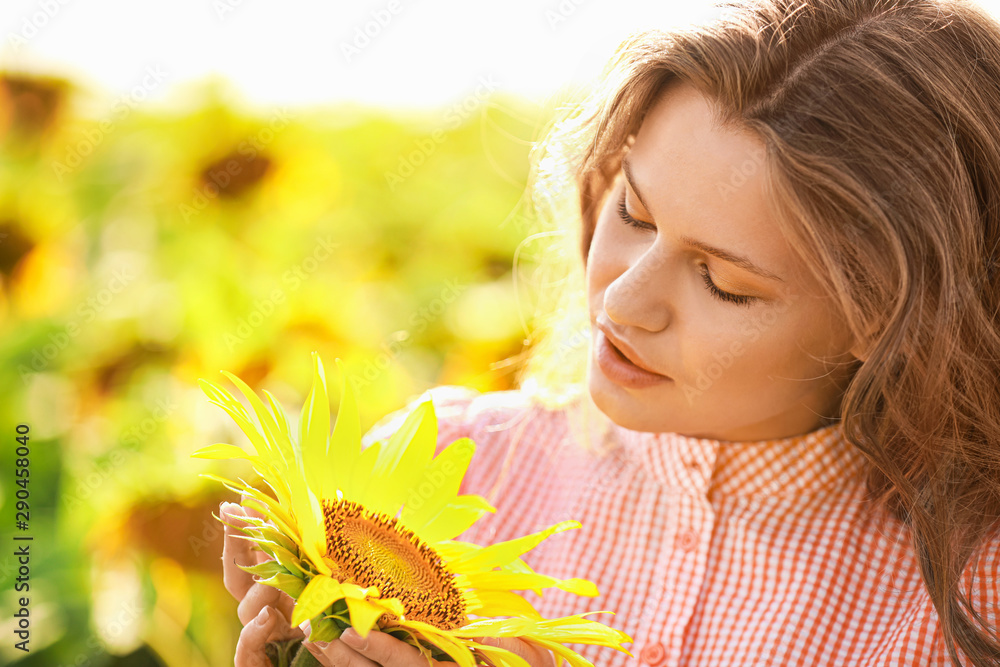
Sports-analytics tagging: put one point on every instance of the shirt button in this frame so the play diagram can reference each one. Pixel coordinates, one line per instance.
(653, 654)
(687, 540)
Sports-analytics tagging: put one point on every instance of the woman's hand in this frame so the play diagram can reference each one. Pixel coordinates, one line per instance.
(381, 649)
(263, 610)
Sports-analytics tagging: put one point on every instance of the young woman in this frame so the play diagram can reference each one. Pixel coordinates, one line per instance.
(791, 233)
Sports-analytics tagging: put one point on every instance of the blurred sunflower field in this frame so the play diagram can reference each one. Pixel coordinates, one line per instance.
(143, 249)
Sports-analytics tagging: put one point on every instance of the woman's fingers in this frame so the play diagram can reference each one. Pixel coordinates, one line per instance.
(535, 656)
(256, 598)
(253, 639)
(269, 625)
(235, 552)
(379, 648)
(339, 654)
(260, 596)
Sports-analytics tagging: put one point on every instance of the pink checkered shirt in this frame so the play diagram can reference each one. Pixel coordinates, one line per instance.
(708, 552)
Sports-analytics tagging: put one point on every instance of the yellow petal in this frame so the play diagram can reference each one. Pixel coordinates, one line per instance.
(320, 593)
(221, 450)
(453, 520)
(451, 550)
(516, 581)
(458, 650)
(309, 517)
(353, 591)
(227, 402)
(279, 417)
(564, 652)
(271, 508)
(568, 629)
(278, 443)
(438, 486)
(391, 605)
(355, 486)
(501, 553)
(364, 615)
(495, 627)
(402, 460)
(345, 443)
(314, 429)
(260, 444)
(499, 603)
(224, 451)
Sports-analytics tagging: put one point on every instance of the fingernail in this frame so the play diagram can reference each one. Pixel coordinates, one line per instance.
(351, 637)
(264, 616)
(316, 648)
(305, 627)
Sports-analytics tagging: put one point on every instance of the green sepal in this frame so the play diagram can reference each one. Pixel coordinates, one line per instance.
(277, 537)
(291, 563)
(327, 626)
(276, 550)
(323, 628)
(288, 583)
(265, 570)
(340, 614)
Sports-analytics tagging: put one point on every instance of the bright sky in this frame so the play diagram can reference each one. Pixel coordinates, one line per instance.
(399, 53)
(387, 52)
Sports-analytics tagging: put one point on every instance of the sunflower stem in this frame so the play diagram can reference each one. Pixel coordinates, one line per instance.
(289, 654)
(305, 659)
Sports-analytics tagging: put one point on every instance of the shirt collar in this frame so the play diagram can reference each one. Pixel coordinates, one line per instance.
(811, 462)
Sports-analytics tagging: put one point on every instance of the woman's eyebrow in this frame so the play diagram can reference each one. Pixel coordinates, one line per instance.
(725, 255)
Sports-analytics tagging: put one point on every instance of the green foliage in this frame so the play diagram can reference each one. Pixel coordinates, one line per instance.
(141, 250)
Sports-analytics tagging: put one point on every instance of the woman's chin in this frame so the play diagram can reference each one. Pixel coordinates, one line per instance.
(623, 407)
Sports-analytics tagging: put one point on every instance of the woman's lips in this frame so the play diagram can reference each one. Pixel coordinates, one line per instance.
(617, 367)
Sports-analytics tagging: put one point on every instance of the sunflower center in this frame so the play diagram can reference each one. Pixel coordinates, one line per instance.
(373, 549)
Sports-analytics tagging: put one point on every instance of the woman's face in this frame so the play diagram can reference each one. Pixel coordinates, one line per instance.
(704, 321)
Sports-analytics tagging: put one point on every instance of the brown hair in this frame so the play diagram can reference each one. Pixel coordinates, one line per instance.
(881, 122)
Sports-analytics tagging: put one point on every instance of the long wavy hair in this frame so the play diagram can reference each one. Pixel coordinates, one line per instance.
(881, 122)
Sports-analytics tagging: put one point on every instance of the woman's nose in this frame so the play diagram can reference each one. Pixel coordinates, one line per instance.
(638, 297)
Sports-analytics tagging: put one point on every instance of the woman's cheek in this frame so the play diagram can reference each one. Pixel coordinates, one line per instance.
(743, 350)
(604, 265)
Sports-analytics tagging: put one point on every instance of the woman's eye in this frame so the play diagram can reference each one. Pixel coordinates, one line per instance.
(728, 297)
(628, 219)
(738, 299)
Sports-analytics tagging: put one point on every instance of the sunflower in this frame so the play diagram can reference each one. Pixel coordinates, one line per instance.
(365, 537)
